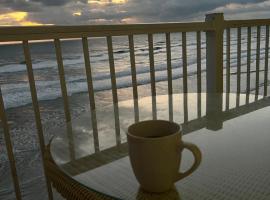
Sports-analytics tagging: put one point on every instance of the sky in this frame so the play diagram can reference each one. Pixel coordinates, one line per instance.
(81, 12)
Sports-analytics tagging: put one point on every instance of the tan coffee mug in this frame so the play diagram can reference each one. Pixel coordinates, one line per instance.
(155, 149)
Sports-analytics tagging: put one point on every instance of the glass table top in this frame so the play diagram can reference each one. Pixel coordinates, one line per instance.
(231, 130)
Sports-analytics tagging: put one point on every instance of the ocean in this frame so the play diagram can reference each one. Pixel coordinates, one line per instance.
(13, 75)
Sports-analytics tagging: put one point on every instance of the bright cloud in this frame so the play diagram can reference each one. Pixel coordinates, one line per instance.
(17, 18)
(77, 13)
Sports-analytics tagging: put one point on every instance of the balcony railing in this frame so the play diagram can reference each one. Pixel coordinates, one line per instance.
(218, 63)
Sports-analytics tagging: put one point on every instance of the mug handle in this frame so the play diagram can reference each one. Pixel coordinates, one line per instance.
(197, 159)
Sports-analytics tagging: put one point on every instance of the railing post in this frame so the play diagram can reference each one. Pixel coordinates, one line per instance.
(214, 104)
(214, 53)
(214, 71)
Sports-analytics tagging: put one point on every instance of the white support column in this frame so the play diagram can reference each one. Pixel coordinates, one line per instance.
(214, 53)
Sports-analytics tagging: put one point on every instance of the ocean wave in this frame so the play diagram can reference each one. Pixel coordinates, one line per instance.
(101, 56)
(121, 51)
(18, 94)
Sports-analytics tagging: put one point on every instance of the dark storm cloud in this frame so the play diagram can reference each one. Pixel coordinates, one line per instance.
(19, 5)
(56, 2)
(34, 5)
(171, 10)
(51, 2)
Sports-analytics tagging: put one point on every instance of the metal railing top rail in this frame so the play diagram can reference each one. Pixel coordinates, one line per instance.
(8, 34)
(12, 34)
(245, 23)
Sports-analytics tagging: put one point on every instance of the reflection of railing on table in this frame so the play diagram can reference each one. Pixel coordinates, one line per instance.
(213, 120)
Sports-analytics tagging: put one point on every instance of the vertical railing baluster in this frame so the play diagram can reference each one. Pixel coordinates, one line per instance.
(228, 60)
(169, 63)
(114, 90)
(237, 99)
(9, 147)
(258, 61)
(61, 72)
(199, 71)
(238, 60)
(34, 97)
(266, 59)
(133, 77)
(136, 110)
(248, 63)
(185, 88)
(185, 101)
(170, 101)
(152, 75)
(90, 92)
(71, 143)
(169, 74)
(238, 65)
(228, 66)
(184, 58)
(199, 82)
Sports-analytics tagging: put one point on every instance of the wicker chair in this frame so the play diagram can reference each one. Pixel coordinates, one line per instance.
(66, 186)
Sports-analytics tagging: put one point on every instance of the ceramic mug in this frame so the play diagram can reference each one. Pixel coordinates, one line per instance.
(155, 149)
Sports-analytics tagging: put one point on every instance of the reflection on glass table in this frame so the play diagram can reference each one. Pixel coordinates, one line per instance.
(231, 130)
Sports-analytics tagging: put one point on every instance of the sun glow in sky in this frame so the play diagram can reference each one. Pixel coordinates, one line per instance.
(17, 18)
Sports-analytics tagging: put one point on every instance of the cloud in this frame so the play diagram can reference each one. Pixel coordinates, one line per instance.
(17, 18)
(131, 11)
(56, 2)
(244, 11)
(19, 5)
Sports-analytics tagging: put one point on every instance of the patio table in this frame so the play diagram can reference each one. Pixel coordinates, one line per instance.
(232, 132)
